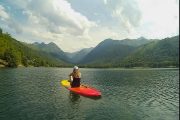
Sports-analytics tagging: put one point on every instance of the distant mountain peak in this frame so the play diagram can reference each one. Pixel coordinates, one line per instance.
(35, 43)
(42, 43)
(52, 43)
(141, 38)
(108, 39)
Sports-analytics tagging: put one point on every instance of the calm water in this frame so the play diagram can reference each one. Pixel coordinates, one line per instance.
(127, 94)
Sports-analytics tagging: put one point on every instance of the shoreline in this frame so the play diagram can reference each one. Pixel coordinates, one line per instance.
(134, 68)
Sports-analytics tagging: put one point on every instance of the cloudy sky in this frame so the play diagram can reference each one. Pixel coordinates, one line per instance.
(77, 24)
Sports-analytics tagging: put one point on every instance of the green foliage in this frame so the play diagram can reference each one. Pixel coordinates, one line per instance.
(11, 58)
(159, 53)
(107, 52)
(1, 31)
(163, 53)
(16, 53)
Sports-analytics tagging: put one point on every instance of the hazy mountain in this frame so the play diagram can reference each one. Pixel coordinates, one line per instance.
(51, 49)
(79, 55)
(114, 47)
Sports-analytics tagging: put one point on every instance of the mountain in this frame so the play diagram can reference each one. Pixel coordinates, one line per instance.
(134, 53)
(162, 53)
(106, 52)
(109, 51)
(52, 49)
(135, 42)
(14, 53)
(79, 55)
(139, 52)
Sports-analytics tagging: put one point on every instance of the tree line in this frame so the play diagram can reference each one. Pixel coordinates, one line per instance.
(16, 53)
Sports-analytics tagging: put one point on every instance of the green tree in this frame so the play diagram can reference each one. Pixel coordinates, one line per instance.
(25, 61)
(11, 58)
(1, 31)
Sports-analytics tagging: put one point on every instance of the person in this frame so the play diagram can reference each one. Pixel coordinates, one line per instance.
(76, 77)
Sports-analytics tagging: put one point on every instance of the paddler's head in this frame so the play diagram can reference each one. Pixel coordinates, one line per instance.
(75, 68)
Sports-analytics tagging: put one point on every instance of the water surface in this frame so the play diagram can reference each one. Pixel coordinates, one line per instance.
(127, 94)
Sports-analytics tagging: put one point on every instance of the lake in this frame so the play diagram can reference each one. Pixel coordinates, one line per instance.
(127, 94)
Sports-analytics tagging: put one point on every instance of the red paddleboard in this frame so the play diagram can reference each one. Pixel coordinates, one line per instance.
(82, 90)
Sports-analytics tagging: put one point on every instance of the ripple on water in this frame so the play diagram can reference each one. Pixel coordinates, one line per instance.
(35, 93)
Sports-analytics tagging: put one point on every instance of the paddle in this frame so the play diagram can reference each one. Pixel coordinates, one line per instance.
(84, 85)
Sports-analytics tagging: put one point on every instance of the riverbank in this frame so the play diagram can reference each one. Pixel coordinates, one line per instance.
(135, 68)
(3, 63)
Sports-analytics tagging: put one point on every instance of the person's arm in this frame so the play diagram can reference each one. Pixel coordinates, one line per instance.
(70, 77)
(79, 75)
(70, 74)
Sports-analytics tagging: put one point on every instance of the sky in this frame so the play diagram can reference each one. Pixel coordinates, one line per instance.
(77, 24)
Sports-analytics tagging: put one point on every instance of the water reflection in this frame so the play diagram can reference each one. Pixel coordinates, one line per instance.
(74, 97)
(74, 102)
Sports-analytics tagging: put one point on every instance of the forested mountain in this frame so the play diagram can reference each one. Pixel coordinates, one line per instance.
(163, 53)
(134, 42)
(134, 53)
(14, 53)
(52, 49)
(106, 52)
(109, 51)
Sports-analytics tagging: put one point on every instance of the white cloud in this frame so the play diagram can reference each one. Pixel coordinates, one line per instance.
(9, 21)
(149, 18)
(50, 20)
(3, 14)
(105, 2)
(127, 12)
(59, 17)
(73, 24)
(160, 18)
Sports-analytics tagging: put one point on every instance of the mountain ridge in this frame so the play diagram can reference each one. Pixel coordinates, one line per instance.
(50, 48)
(139, 52)
(14, 53)
(162, 50)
